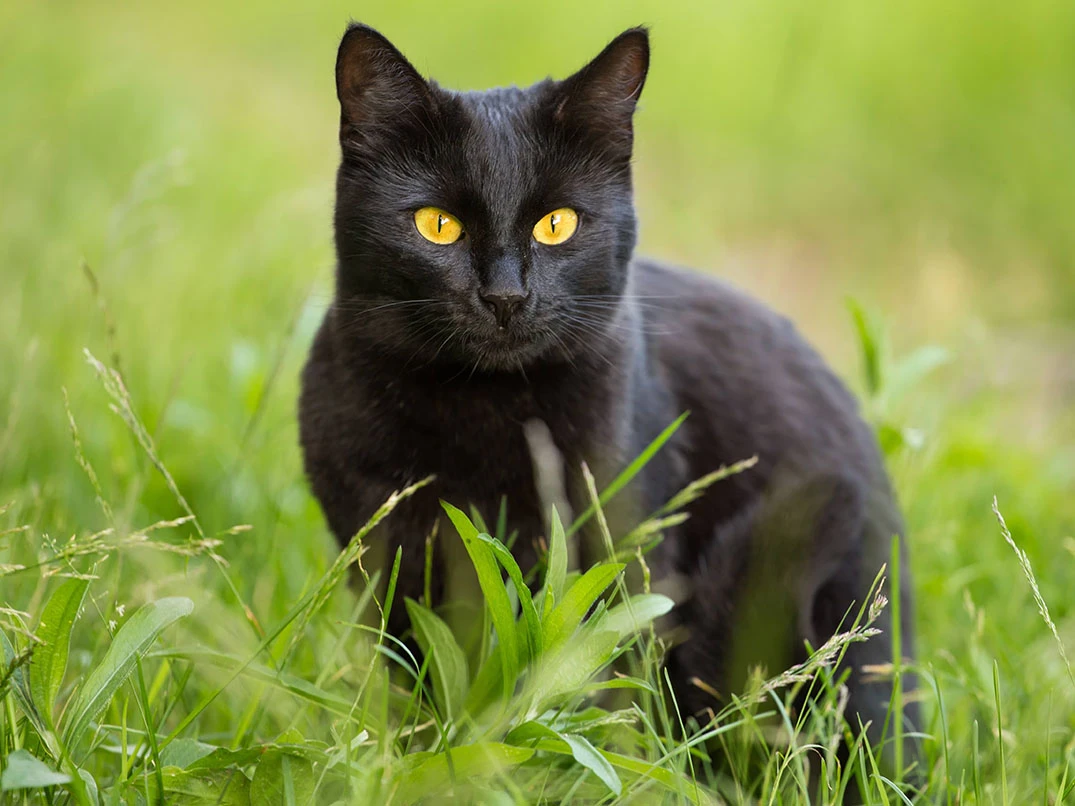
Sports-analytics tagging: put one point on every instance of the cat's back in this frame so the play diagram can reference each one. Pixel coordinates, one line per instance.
(753, 384)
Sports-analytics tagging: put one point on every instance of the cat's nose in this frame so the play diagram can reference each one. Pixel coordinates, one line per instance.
(503, 304)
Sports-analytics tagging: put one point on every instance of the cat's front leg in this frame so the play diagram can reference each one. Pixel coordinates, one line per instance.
(350, 499)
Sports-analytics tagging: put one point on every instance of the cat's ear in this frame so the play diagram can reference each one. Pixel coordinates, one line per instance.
(375, 83)
(602, 95)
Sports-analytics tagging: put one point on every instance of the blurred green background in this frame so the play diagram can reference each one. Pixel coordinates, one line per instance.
(915, 155)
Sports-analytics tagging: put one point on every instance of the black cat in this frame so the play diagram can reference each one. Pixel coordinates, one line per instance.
(485, 279)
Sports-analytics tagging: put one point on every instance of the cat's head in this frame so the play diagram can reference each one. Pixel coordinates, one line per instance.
(452, 208)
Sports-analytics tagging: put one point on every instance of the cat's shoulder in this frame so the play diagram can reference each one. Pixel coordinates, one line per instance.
(330, 392)
(693, 297)
(700, 321)
(660, 278)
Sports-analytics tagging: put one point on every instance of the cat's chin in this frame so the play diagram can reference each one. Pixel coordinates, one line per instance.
(502, 355)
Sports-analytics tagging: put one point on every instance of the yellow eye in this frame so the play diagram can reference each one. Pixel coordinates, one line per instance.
(438, 226)
(556, 227)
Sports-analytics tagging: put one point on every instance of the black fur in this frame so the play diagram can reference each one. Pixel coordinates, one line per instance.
(411, 375)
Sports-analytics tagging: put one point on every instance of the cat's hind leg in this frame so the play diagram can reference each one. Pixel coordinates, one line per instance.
(794, 567)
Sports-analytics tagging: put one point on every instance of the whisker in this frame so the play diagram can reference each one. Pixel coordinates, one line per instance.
(609, 305)
(451, 334)
(590, 317)
(564, 347)
(437, 331)
(357, 306)
(625, 296)
(356, 317)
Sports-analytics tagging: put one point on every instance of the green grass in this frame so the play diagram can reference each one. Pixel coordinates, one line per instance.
(165, 193)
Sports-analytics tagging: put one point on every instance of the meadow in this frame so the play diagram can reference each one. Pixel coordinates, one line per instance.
(177, 621)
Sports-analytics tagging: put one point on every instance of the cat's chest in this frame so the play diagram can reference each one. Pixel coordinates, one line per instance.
(468, 435)
(472, 434)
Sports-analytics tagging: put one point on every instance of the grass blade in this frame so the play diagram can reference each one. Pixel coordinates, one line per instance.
(526, 601)
(496, 595)
(449, 667)
(24, 771)
(629, 617)
(586, 755)
(567, 616)
(629, 472)
(580, 747)
(131, 641)
(666, 778)
(20, 685)
(897, 655)
(432, 775)
(557, 568)
(976, 761)
(1000, 736)
(870, 341)
(49, 663)
(1039, 600)
(567, 671)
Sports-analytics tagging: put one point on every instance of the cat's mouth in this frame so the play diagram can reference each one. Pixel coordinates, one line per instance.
(509, 347)
(495, 329)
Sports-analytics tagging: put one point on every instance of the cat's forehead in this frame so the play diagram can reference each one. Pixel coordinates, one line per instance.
(502, 122)
(501, 141)
(500, 106)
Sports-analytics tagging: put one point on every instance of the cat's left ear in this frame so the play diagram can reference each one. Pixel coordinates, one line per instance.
(377, 87)
(602, 95)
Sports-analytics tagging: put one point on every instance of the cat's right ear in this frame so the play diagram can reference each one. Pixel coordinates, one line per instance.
(602, 96)
(375, 83)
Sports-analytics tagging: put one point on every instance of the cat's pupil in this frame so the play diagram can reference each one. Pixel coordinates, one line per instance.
(553, 221)
(440, 223)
